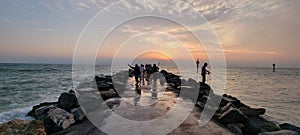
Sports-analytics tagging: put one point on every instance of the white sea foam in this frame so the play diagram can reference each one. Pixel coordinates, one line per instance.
(20, 113)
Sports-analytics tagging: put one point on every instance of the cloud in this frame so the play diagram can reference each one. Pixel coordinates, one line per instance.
(6, 20)
(44, 30)
(83, 6)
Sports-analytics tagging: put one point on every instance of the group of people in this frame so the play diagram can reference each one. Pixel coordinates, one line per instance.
(143, 72)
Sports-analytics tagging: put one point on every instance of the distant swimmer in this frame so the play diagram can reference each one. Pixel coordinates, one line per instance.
(273, 67)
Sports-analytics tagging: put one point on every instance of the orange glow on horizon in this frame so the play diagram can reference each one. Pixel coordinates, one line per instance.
(155, 55)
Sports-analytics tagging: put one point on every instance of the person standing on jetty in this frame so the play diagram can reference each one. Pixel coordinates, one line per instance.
(273, 67)
(204, 71)
(137, 73)
(148, 71)
(197, 64)
(142, 68)
(155, 69)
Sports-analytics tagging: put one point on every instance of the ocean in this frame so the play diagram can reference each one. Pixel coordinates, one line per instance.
(25, 85)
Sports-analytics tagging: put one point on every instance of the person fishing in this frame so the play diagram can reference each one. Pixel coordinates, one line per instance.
(197, 64)
(137, 73)
(204, 71)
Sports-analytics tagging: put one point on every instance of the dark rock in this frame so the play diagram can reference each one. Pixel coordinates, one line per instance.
(290, 127)
(54, 118)
(68, 101)
(253, 111)
(205, 89)
(202, 99)
(257, 125)
(104, 83)
(108, 94)
(108, 78)
(99, 79)
(78, 114)
(227, 98)
(72, 91)
(84, 128)
(237, 129)
(164, 72)
(232, 115)
(183, 82)
(226, 107)
(280, 132)
(113, 102)
(103, 86)
(34, 108)
(22, 127)
(217, 99)
(192, 82)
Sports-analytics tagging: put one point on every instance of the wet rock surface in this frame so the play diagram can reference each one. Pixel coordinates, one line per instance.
(68, 101)
(56, 116)
(55, 119)
(34, 108)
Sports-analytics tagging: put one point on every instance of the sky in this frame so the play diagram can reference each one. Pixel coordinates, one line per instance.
(251, 33)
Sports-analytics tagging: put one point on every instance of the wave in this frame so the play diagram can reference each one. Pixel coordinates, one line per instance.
(20, 113)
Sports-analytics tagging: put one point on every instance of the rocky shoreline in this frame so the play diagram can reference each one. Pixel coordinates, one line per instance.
(66, 117)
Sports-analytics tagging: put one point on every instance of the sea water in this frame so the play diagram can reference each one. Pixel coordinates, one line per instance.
(25, 85)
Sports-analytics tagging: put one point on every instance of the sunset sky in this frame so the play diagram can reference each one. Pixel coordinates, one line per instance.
(252, 33)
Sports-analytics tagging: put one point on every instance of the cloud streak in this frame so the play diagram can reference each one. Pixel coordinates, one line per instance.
(44, 30)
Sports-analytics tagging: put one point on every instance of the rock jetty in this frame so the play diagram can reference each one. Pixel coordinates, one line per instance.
(232, 117)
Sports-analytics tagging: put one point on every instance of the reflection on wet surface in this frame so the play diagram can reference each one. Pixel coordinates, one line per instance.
(152, 102)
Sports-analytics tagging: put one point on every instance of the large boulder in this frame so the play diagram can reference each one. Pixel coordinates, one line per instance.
(68, 101)
(228, 98)
(112, 102)
(103, 86)
(257, 125)
(205, 89)
(104, 83)
(108, 94)
(252, 111)
(225, 108)
(54, 118)
(232, 115)
(45, 104)
(280, 132)
(22, 127)
(191, 82)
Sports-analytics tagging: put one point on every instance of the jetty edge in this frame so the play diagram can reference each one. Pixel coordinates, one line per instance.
(232, 117)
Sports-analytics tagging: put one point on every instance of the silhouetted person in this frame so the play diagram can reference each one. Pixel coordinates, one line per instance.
(155, 69)
(197, 64)
(273, 67)
(204, 71)
(148, 72)
(137, 73)
(143, 71)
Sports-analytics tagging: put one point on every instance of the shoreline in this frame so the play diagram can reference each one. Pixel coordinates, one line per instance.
(227, 106)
